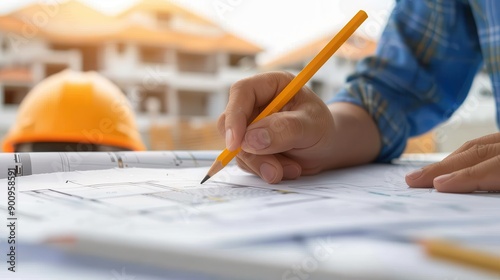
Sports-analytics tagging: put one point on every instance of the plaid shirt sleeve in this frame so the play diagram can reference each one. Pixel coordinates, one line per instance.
(422, 71)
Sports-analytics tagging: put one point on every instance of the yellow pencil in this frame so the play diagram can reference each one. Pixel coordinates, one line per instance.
(456, 253)
(295, 85)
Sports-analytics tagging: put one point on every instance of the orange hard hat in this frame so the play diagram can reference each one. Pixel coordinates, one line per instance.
(75, 107)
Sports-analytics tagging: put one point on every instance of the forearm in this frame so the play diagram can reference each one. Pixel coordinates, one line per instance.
(355, 137)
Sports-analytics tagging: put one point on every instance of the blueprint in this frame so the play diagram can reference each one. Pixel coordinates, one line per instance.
(238, 207)
(167, 210)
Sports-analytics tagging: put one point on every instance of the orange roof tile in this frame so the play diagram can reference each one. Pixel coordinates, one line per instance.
(16, 75)
(166, 7)
(70, 18)
(236, 44)
(76, 23)
(185, 41)
(226, 42)
(355, 48)
(10, 24)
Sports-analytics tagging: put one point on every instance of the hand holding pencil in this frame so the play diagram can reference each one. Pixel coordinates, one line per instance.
(281, 130)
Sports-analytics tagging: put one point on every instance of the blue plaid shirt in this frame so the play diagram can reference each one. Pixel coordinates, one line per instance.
(422, 71)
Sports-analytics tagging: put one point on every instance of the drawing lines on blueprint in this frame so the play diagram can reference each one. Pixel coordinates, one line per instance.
(147, 202)
(167, 201)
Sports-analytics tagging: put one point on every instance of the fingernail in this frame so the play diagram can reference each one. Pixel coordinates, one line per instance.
(291, 171)
(414, 174)
(268, 172)
(258, 139)
(229, 138)
(443, 178)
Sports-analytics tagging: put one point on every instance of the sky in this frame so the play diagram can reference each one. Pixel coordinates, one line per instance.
(277, 26)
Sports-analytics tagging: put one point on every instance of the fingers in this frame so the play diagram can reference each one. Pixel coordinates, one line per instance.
(464, 165)
(246, 98)
(480, 177)
(425, 176)
(488, 139)
(271, 168)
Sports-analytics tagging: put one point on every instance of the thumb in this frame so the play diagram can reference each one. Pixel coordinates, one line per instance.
(279, 132)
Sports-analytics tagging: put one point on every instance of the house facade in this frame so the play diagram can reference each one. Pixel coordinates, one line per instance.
(172, 64)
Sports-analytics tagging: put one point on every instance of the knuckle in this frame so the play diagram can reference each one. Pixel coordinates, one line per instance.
(470, 172)
(278, 79)
(467, 145)
(285, 74)
(462, 159)
(440, 165)
(490, 138)
(481, 151)
(237, 86)
(244, 84)
(436, 169)
(278, 124)
(497, 160)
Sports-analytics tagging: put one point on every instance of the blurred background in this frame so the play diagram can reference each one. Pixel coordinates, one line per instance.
(176, 60)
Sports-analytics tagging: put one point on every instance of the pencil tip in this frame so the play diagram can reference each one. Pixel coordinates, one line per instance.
(204, 179)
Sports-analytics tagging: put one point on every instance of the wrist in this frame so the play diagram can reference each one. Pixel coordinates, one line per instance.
(355, 138)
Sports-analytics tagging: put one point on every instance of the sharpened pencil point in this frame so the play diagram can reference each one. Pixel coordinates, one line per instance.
(204, 179)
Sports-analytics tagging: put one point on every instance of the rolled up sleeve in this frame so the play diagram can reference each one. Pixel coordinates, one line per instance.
(422, 71)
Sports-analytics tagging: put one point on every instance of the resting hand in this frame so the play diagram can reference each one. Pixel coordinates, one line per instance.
(473, 167)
